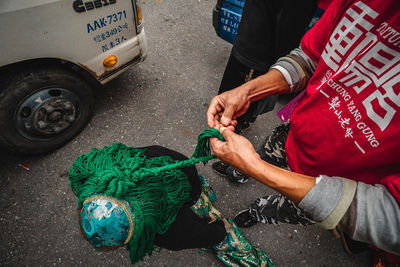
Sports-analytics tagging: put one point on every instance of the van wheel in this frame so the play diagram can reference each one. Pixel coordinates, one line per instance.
(43, 108)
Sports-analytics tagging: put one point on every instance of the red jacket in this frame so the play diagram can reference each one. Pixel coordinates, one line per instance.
(348, 122)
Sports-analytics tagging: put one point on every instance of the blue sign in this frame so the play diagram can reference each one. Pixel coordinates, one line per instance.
(230, 15)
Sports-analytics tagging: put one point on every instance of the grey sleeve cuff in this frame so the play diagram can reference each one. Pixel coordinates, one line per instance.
(328, 201)
(377, 219)
(297, 68)
(368, 213)
(293, 74)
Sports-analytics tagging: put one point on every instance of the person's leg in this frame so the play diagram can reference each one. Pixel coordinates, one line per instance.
(272, 209)
(236, 74)
(225, 170)
(268, 30)
(235, 249)
(273, 149)
(255, 37)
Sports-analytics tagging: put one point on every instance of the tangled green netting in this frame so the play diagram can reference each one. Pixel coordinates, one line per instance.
(155, 188)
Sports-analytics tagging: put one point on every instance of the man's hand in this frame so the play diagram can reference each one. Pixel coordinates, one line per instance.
(226, 107)
(239, 153)
(236, 151)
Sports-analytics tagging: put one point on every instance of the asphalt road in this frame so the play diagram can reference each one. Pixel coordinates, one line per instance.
(161, 101)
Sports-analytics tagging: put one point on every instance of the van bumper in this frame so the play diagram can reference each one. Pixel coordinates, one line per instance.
(129, 53)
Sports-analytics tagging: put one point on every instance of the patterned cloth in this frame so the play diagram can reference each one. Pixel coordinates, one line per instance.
(207, 189)
(275, 209)
(273, 150)
(106, 222)
(235, 249)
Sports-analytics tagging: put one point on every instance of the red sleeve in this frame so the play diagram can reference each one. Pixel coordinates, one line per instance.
(313, 42)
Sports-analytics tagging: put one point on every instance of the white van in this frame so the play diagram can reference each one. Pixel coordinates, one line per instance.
(51, 50)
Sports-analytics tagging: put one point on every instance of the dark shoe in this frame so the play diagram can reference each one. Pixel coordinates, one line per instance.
(242, 125)
(243, 219)
(236, 176)
(225, 170)
(220, 168)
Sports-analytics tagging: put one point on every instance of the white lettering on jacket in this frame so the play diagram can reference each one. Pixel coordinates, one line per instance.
(367, 62)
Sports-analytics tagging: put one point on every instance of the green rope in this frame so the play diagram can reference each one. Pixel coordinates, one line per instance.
(155, 188)
(203, 144)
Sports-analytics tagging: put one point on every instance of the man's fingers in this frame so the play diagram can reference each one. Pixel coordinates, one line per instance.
(214, 112)
(242, 110)
(227, 116)
(210, 120)
(231, 128)
(216, 145)
(213, 141)
(226, 132)
(211, 113)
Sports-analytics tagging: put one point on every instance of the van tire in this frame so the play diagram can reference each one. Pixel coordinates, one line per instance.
(43, 108)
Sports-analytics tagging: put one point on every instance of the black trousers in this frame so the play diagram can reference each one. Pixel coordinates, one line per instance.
(188, 230)
(268, 30)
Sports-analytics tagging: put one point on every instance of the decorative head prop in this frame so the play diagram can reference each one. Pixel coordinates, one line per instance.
(127, 198)
(107, 222)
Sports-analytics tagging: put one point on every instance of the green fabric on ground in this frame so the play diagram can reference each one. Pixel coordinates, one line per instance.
(155, 188)
(235, 249)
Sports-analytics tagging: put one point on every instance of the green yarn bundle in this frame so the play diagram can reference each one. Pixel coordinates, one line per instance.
(155, 188)
(203, 149)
